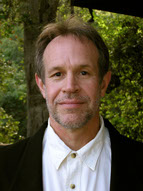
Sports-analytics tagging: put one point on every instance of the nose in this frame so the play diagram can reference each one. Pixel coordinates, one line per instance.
(70, 84)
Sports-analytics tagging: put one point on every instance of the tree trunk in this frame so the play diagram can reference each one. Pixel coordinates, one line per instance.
(37, 14)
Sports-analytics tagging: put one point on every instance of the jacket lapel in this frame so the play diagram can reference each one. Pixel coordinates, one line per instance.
(29, 172)
(117, 164)
(123, 162)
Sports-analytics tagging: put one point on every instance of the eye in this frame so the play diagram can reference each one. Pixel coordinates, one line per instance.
(84, 73)
(57, 74)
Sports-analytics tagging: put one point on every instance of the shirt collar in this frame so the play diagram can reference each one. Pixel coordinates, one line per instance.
(58, 150)
(92, 150)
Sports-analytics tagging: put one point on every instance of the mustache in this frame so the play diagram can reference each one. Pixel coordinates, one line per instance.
(72, 97)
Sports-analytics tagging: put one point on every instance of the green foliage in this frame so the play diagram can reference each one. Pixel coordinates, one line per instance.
(123, 106)
(12, 46)
(8, 128)
(12, 85)
(65, 10)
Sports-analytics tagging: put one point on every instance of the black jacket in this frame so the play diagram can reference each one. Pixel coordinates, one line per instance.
(21, 163)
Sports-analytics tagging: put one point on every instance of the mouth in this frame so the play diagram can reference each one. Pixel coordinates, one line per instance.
(71, 104)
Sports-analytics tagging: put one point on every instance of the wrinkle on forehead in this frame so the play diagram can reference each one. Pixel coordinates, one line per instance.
(70, 37)
(70, 50)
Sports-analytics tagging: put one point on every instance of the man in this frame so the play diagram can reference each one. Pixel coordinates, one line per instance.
(76, 149)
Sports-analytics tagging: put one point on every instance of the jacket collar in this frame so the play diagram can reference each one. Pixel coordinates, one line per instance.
(114, 160)
(119, 165)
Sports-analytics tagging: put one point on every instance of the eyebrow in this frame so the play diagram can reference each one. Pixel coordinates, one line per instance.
(54, 69)
(62, 68)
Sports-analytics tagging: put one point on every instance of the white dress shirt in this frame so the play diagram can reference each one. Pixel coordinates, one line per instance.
(87, 169)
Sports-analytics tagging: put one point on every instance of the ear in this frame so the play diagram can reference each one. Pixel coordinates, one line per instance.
(40, 84)
(105, 83)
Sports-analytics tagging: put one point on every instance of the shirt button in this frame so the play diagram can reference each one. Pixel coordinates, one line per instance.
(72, 186)
(73, 155)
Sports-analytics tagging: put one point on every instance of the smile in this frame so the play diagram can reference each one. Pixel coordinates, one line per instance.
(71, 104)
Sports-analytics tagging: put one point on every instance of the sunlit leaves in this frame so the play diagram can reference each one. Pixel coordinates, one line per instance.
(8, 128)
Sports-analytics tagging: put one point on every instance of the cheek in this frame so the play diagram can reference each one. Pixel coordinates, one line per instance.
(92, 90)
(52, 91)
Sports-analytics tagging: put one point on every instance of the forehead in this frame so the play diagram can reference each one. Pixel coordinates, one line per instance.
(70, 48)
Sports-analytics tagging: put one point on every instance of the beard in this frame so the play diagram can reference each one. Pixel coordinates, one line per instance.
(74, 118)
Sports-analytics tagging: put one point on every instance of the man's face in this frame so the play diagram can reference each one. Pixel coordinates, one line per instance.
(71, 89)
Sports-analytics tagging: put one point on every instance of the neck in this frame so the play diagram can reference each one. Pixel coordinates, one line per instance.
(77, 138)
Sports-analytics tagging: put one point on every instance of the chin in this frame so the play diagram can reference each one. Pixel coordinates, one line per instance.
(73, 121)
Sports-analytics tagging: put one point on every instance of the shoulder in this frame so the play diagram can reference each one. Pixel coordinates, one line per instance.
(20, 145)
(123, 143)
(15, 151)
(10, 157)
(127, 160)
(12, 150)
(11, 154)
